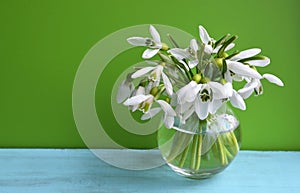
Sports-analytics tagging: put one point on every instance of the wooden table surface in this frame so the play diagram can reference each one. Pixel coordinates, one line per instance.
(80, 171)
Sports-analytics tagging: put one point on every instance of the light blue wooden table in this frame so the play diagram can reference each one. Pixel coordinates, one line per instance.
(79, 171)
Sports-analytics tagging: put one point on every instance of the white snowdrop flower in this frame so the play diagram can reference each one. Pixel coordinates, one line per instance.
(154, 44)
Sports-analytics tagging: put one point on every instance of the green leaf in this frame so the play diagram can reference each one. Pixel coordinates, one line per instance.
(221, 41)
(173, 42)
(224, 69)
(253, 58)
(222, 49)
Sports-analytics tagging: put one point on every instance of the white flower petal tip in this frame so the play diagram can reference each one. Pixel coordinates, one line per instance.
(166, 107)
(194, 45)
(124, 91)
(178, 53)
(149, 53)
(142, 72)
(259, 63)
(237, 101)
(205, 38)
(273, 79)
(169, 122)
(154, 33)
(229, 47)
(137, 41)
(136, 99)
(167, 83)
(242, 69)
(201, 108)
(246, 54)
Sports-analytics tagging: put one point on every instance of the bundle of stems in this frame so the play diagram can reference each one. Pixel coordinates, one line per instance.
(189, 149)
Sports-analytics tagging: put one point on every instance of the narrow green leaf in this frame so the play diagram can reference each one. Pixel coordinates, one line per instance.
(224, 68)
(222, 49)
(231, 55)
(253, 58)
(173, 42)
(221, 41)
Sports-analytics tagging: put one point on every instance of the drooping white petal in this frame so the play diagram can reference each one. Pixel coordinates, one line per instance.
(178, 53)
(214, 106)
(237, 101)
(246, 94)
(249, 86)
(167, 84)
(260, 63)
(246, 54)
(166, 107)
(228, 89)
(228, 77)
(168, 121)
(149, 53)
(192, 93)
(205, 38)
(156, 74)
(242, 69)
(151, 113)
(140, 90)
(248, 89)
(193, 63)
(137, 41)
(136, 99)
(194, 45)
(181, 93)
(154, 33)
(201, 108)
(142, 72)
(229, 47)
(124, 91)
(218, 90)
(208, 49)
(273, 79)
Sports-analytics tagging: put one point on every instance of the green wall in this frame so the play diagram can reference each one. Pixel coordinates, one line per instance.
(43, 42)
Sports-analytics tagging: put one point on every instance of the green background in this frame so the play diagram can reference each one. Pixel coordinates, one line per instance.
(43, 42)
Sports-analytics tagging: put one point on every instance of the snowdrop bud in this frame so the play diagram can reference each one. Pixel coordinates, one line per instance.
(146, 107)
(224, 55)
(223, 81)
(204, 80)
(164, 47)
(154, 91)
(197, 78)
(219, 62)
(167, 100)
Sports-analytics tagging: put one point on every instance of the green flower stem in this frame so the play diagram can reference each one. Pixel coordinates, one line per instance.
(194, 149)
(183, 156)
(221, 149)
(229, 155)
(234, 140)
(198, 161)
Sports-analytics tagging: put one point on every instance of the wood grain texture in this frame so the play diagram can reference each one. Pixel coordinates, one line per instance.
(79, 171)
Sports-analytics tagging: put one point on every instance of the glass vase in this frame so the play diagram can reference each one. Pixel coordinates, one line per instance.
(201, 148)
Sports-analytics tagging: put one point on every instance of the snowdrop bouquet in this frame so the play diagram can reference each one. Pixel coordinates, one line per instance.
(191, 86)
(195, 79)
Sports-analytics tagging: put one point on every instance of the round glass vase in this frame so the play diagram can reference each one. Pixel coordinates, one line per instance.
(201, 148)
